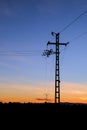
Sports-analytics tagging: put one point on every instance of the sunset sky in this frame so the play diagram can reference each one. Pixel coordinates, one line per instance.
(25, 29)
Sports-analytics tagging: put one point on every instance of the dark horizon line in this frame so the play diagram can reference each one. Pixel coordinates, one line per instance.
(70, 103)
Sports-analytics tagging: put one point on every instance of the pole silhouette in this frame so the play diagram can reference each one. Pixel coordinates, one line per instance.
(57, 65)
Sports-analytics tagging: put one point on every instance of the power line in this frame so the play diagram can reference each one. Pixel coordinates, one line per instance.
(73, 21)
(20, 53)
(79, 36)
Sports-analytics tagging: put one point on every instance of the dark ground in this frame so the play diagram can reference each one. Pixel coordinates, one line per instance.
(31, 115)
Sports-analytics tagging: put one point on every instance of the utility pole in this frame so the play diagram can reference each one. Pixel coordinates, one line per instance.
(46, 97)
(57, 65)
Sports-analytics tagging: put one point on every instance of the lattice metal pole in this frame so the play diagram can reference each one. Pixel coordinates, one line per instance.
(57, 65)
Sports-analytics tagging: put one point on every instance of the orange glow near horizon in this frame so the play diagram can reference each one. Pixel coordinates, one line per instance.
(74, 92)
(70, 92)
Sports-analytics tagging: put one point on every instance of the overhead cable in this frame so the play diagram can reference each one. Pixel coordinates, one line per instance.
(73, 21)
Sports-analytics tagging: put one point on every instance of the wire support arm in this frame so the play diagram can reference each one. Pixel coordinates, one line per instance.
(64, 43)
(52, 43)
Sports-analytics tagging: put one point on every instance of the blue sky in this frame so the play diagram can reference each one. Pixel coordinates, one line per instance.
(26, 26)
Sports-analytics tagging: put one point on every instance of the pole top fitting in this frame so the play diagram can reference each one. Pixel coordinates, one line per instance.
(52, 33)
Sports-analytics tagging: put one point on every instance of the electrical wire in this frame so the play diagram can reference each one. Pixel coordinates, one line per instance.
(73, 21)
(77, 37)
(20, 53)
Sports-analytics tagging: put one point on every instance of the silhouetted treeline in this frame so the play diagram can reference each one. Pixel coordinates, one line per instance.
(42, 107)
(44, 114)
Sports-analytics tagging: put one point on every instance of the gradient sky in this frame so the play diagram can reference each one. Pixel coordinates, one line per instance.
(25, 29)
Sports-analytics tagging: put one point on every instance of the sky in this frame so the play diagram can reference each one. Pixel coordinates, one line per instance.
(25, 28)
